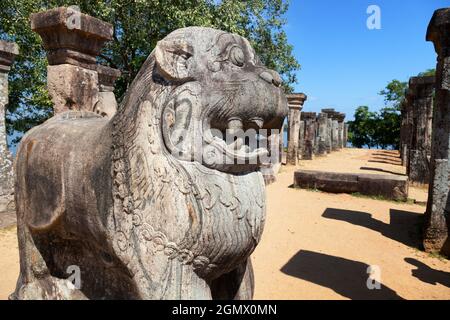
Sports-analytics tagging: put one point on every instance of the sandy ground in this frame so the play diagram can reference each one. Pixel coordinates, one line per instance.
(319, 246)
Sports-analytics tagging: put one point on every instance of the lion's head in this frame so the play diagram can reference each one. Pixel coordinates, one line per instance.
(196, 84)
(224, 99)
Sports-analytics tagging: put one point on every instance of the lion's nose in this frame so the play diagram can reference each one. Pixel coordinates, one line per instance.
(271, 77)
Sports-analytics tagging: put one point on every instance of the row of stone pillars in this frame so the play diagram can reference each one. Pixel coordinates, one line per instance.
(311, 134)
(437, 218)
(416, 128)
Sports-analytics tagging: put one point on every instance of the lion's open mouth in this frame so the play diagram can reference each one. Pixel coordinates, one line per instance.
(240, 146)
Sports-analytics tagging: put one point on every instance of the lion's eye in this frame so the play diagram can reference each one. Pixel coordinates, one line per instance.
(237, 56)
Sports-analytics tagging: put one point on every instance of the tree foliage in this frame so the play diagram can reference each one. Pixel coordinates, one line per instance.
(138, 25)
(381, 129)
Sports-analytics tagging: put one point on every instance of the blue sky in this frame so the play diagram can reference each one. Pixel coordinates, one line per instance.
(344, 64)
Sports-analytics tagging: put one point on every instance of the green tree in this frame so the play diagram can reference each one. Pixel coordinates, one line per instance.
(362, 128)
(138, 25)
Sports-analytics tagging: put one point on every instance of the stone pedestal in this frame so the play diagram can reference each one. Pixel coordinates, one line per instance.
(437, 218)
(72, 41)
(322, 120)
(8, 51)
(295, 104)
(423, 88)
(310, 134)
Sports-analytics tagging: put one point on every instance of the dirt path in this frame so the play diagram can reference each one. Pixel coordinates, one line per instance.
(319, 246)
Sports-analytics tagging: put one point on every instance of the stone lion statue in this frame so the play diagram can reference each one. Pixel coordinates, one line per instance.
(128, 203)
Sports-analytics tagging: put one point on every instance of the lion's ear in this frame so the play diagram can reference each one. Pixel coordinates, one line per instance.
(172, 59)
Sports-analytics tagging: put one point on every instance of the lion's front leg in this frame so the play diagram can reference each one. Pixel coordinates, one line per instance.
(238, 284)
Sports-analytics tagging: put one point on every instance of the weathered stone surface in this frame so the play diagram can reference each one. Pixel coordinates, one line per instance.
(334, 128)
(72, 41)
(295, 104)
(390, 187)
(322, 120)
(8, 51)
(144, 213)
(437, 220)
(310, 134)
(422, 89)
(71, 37)
(301, 139)
(106, 105)
(341, 118)
(329, 139)
(72, 87)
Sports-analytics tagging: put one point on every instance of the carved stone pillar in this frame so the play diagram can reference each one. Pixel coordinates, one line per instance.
(301, 139)
(295, 104)
(322, 120)
(107, 104)
(8, 52)
(72, 41)
(329, 140)
(409, 97)
(334, 128)
(341, 118)
(437, 218)
(310, 134)
(421, 136)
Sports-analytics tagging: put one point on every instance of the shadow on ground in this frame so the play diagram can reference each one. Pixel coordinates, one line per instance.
(346, 277)
(381, 170)
(403, 227)
(429, 275)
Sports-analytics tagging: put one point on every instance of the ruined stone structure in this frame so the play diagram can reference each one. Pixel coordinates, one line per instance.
(8, 52)
(335, 133)
(295, 104)
(437, 220)
(153, 203)
(322, 120)
(421, 88)
(72, 41)
(310, 134)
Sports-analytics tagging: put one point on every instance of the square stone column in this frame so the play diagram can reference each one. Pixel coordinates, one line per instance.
(423, 88)
(295, 104)
(341, 119)
(409, 104)
(8, 52)
(322, 120)
(329, 139)
(310, 133)
(334, 128)
(301, 139)
(72, 41)
(437, 219)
